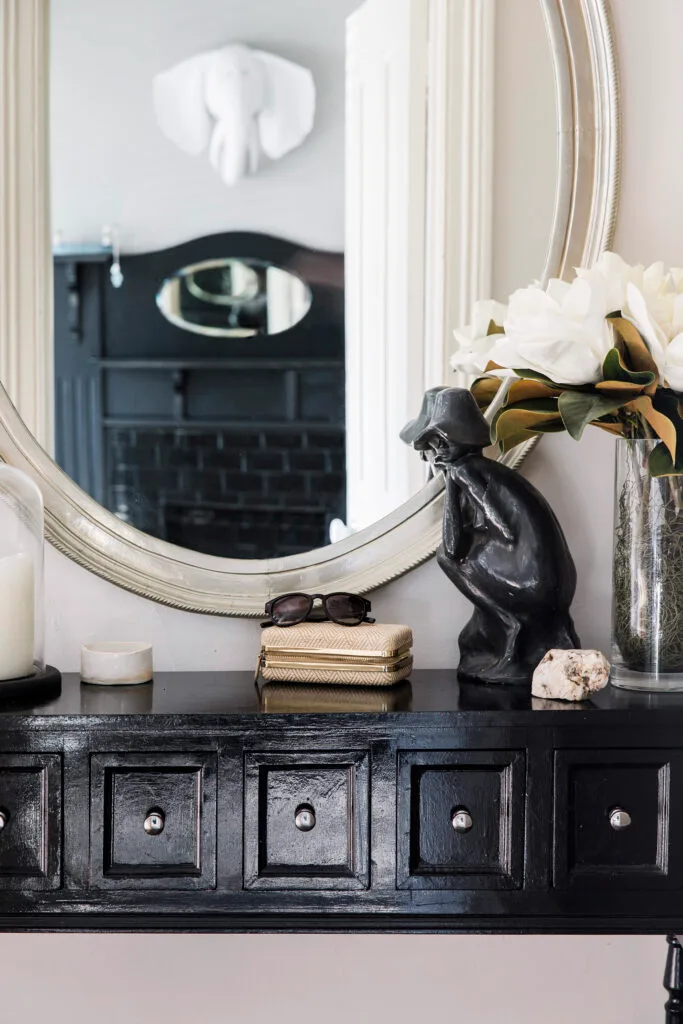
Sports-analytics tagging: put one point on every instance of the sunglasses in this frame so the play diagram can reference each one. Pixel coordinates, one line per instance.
(344, 609)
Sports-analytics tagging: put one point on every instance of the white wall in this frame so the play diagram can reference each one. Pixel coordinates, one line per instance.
(525, 147)
(243, 979)
(110, 162)
(260, 980)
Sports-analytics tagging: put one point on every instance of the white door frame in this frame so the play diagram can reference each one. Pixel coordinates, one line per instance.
(420, 137)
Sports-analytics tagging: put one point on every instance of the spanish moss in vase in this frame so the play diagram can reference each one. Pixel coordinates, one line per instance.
(647, 613)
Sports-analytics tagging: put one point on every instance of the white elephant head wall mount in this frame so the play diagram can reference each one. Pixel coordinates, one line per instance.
(237, 103)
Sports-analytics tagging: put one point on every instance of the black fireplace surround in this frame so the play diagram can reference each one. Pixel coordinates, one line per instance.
(230, 446)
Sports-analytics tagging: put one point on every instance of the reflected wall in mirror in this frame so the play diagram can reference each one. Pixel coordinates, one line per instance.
(203, 400)
(219, 398)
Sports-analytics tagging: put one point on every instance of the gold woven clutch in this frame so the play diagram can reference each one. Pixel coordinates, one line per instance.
(324, 652)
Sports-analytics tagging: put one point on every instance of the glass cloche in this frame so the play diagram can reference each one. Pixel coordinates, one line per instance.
(21, 576)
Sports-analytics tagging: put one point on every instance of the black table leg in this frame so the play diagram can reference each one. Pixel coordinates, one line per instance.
(673, 981)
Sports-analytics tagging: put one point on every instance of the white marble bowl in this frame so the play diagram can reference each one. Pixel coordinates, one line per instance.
(116, 664)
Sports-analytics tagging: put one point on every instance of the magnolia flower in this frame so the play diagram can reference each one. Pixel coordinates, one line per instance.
(613, 274)
(474, 344)
(560, 331)
(659, 318)
(652, 298)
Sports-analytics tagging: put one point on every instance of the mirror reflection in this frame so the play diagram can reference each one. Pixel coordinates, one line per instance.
(231, 369)
(234, 298)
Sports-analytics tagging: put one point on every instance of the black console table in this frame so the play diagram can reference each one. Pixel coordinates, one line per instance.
(198, 803)
(183, 804)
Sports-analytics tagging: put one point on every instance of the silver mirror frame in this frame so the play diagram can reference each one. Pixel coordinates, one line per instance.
(583, 50)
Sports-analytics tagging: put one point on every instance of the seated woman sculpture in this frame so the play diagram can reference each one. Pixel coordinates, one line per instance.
(502, 546)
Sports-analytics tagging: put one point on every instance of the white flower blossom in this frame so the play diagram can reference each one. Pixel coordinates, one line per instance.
(474, 346)
(561, 331)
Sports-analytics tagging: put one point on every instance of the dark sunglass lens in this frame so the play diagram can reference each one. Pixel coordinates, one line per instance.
(347, 609)
(290, 609)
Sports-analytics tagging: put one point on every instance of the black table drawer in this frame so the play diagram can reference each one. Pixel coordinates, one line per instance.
(306, 820)
(31, 820)
(617, 818)
(461, 819)
(153, 820)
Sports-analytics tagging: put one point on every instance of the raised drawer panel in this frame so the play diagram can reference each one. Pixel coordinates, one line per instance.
(30, 816)
(617, 819)
(153, 821)
(461, 819)
(306, 821)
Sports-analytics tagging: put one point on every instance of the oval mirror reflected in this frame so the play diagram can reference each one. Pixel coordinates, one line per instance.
(234, 297)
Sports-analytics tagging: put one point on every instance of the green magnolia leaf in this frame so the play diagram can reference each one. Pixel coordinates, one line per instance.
(614, 369)
(632, 345)
(550, 427)
(667, 403)
(521, 436)
(524, 390)
(612, 387)
(611, 426)
(485, 390)
(661, 464)
(523, 416)
(494, 328)
(662, 423)
(534, 375)
(579, 408)
(514, 439)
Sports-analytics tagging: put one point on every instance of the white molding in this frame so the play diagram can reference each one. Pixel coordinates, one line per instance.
(26, 360)
(460, 160)
(420, 133)
(587, 87)
(386, 139)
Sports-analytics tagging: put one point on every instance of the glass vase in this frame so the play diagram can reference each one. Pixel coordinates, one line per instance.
(647, 576)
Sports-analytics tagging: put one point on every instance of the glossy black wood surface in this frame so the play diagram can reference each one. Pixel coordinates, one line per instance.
(183, 805)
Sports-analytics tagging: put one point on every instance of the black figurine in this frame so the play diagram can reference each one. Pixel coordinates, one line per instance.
(502, 546)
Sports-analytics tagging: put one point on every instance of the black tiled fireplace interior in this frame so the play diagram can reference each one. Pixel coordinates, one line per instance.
(233, 493)
(232, 447)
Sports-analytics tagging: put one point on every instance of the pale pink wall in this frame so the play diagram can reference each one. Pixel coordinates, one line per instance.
(132, 979)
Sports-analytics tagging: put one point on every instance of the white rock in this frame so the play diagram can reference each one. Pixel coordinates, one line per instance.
(570, 675)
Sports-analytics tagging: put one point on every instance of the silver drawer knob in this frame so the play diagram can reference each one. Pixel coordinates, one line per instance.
(4, 818)
(154, 823)
(462, 821)
(619, 819)
(305, 819)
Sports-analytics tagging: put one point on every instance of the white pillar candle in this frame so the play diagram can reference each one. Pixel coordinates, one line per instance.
(17, 616)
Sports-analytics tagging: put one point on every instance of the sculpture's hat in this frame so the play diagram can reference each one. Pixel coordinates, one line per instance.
(416, 426)
(457, 418)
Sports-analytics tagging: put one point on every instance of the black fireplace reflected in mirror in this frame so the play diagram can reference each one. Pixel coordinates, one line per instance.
(231, 446)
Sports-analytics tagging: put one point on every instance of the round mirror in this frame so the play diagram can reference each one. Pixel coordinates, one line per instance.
(338, 239)
(234, 298)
